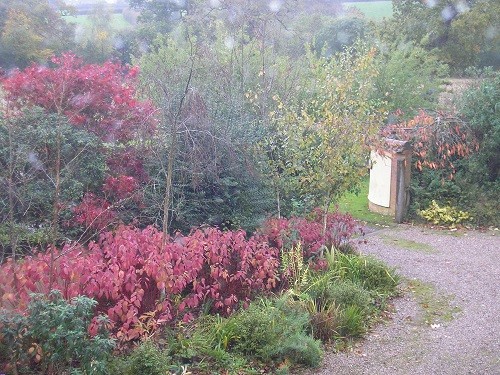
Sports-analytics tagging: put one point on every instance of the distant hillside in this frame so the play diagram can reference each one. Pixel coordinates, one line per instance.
(372, 9)
(87, 6)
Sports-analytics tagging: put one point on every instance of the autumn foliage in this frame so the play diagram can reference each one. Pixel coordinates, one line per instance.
(93, 212)
(438, 140)
(286, 233)
(102, 100)
(98, 98)
(140, 284)
(140, 277)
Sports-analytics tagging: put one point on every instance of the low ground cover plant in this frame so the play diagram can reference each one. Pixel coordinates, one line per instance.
(219, 299)
(147, 358)
(444, 215)
(270, 331)
(53, 338)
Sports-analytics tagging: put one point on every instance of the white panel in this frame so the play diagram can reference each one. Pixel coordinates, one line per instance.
(380, 180)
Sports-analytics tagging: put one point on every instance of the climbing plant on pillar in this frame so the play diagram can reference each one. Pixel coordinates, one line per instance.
(441, 142)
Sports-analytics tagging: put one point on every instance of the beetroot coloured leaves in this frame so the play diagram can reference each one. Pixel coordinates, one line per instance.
(340, 229)
(140, 285)
(142, 280)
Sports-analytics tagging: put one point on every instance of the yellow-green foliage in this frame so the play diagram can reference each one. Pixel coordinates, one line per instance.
(446, 215)
(318, 147)
(293, 267)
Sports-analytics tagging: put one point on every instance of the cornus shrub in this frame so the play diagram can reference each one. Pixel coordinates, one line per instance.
(145, 285)
(140, 284)
(140, 280)
(286, 233)
(235, 268)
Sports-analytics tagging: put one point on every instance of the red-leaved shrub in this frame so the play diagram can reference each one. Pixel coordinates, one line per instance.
(93, 212)
(140, 284)
(121, 186)
(141, 281)
(285, 233)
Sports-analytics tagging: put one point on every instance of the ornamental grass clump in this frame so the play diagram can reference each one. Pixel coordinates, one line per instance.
(268, 331)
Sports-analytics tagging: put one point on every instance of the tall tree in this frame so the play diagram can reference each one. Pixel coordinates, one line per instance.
(462, 32)
(95, 39)
(323, 142)
(409, 79)
(32, 31)
(215, 99)
(96, 99)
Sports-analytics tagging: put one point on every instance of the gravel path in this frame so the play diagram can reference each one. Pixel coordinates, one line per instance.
(457, 330)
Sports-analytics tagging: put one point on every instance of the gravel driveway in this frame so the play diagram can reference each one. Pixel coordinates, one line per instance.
(447, 320)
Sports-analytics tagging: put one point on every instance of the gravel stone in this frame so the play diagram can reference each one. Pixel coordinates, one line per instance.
(466, 268)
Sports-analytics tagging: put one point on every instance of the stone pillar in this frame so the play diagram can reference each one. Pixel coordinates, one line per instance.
(390, 180)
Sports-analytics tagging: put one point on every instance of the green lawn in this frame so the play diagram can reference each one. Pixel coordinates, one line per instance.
(375, 10)
(118, 22)
(357, 206)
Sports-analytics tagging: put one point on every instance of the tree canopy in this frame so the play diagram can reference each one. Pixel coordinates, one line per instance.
(32, 31)
(462, 33)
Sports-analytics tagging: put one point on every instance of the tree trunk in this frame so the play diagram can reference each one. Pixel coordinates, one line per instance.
(278, 202)
(172, 152)
(12, 234)
(168, 184)
(55, 206)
